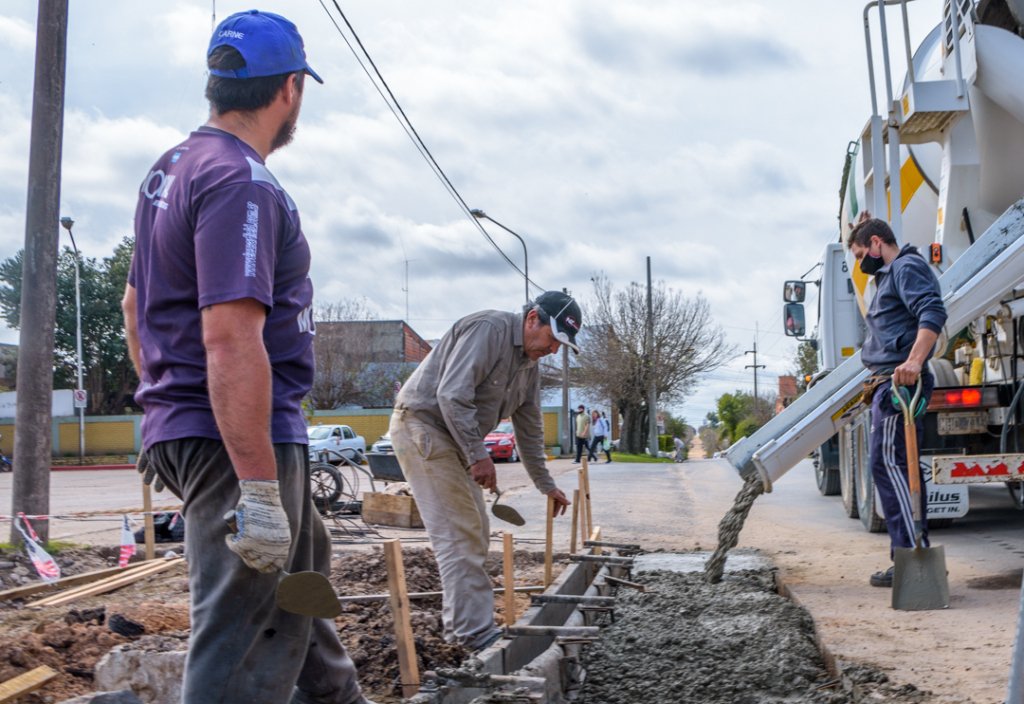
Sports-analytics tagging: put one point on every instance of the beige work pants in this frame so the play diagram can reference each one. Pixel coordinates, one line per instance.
(455, 517)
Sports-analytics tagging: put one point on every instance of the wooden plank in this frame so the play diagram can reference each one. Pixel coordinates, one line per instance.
(148, 531)
(108, 585)
(510, 580)
(575, 519)
(83, 578)
(24, 683)
(390, 510)
(549, 533)
(408, 667)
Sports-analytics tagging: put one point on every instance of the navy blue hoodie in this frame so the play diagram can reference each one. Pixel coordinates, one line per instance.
(906, 300)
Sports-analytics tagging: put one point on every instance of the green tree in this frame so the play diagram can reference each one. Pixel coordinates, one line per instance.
(108, 374)
(805, 363)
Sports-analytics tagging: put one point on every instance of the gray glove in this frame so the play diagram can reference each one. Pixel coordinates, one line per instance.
(148, 472)
(262, 538)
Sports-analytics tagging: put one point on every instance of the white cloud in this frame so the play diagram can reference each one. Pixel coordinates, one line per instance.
(709, 137)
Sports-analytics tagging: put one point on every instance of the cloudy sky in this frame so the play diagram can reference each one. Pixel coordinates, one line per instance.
(708, 136)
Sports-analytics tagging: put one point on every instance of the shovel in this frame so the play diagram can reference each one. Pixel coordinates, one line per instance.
(506, 513)
(303, 593)
(919, 579)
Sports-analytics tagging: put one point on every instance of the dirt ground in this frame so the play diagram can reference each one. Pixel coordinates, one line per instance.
(71, 639)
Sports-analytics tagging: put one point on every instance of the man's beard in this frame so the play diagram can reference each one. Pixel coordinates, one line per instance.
(285, 133)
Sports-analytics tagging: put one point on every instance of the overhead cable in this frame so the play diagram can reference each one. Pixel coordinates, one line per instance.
(377, 79)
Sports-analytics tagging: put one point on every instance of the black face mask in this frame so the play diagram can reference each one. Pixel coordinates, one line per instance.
(870, 264)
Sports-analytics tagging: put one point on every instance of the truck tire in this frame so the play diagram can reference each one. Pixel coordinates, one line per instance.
(1016, 490)
(826, 468)
(869, 518)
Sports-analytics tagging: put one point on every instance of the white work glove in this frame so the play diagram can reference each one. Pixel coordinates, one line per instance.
(262, 537)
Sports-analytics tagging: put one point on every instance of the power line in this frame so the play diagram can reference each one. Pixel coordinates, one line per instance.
(396, 109)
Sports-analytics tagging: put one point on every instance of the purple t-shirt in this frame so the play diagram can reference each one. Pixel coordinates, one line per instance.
(212, 226)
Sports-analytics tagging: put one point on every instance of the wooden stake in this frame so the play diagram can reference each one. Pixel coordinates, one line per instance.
(586, 486)
(408, 666)
(547, 541)
(584, 532)
(510, 594)
(575, 519)
(148, 530)
(26, 682)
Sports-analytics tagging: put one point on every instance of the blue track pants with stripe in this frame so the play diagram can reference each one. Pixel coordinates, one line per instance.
(889, 464)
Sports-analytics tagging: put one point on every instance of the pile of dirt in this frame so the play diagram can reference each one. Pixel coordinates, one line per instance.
(73, 638)
(737, 642)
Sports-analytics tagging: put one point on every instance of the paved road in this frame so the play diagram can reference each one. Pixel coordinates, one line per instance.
(825, 557)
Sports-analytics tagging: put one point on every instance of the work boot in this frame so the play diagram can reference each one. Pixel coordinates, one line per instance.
(882, 579)
(486, 640)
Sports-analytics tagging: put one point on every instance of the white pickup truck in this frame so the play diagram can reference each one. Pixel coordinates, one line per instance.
(327, 442)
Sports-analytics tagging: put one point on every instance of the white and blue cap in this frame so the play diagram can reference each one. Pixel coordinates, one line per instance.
(269, 43)
(563, 314)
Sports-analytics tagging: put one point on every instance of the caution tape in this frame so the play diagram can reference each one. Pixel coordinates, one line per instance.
(112, 514)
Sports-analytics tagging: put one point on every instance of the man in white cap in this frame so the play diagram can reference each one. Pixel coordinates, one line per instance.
(219, 326)
(483, 369)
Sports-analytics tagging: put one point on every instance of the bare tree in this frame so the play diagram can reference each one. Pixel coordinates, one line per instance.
(342, 352)
(687, 343)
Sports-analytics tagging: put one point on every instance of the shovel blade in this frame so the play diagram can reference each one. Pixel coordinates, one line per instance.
(308, 594)
(919, 581)
(508, 514)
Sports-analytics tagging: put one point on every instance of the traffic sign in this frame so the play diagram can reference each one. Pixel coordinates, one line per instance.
(81, 399)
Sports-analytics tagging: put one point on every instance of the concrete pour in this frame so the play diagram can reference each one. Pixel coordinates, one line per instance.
(736, 642)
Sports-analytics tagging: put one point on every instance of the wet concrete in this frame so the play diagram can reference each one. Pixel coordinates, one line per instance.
(735, 642)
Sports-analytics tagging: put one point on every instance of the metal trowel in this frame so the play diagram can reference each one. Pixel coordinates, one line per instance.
(920, 581)
(506, 513)
(303, 593)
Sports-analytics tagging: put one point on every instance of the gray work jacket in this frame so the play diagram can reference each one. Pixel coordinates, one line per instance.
(476, 376)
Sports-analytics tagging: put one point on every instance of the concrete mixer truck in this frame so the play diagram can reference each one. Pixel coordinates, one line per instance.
(942, 159)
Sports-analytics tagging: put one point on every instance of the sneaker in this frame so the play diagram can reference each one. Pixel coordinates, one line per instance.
(882, 579)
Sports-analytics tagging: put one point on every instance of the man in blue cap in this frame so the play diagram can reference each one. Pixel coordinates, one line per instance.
(218, 318)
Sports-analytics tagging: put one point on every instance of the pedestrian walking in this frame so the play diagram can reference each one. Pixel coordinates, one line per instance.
(218, 319)
(600, 441)
(483, 369)
(904, 320)
(582, 433)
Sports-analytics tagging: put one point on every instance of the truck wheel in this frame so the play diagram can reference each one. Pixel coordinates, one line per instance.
(826, 476)
(326, 485)
(869, 518)
(1016, 490)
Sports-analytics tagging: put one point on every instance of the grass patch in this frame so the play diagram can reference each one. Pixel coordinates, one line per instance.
(647, 459)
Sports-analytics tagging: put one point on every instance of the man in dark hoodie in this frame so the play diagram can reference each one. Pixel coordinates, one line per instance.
(904, 320)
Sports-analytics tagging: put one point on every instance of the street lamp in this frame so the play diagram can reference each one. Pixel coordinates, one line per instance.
(480, 215)
(67, 223)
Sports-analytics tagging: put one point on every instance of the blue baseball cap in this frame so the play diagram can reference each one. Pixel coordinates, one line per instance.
(269, 43)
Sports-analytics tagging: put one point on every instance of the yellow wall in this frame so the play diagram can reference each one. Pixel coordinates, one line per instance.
(373, 426)
(370, 427)
(117, 438)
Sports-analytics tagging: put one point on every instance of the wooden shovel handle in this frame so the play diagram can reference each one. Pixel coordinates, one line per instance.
(913, 468)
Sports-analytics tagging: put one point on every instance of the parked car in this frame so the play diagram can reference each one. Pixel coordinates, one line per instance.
(383, 444)
(501, 442)
(330, 442)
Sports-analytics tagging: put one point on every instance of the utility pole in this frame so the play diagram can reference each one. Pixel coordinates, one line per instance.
(33, 447)
(567, 425)
(652, 391)
(755, 366)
